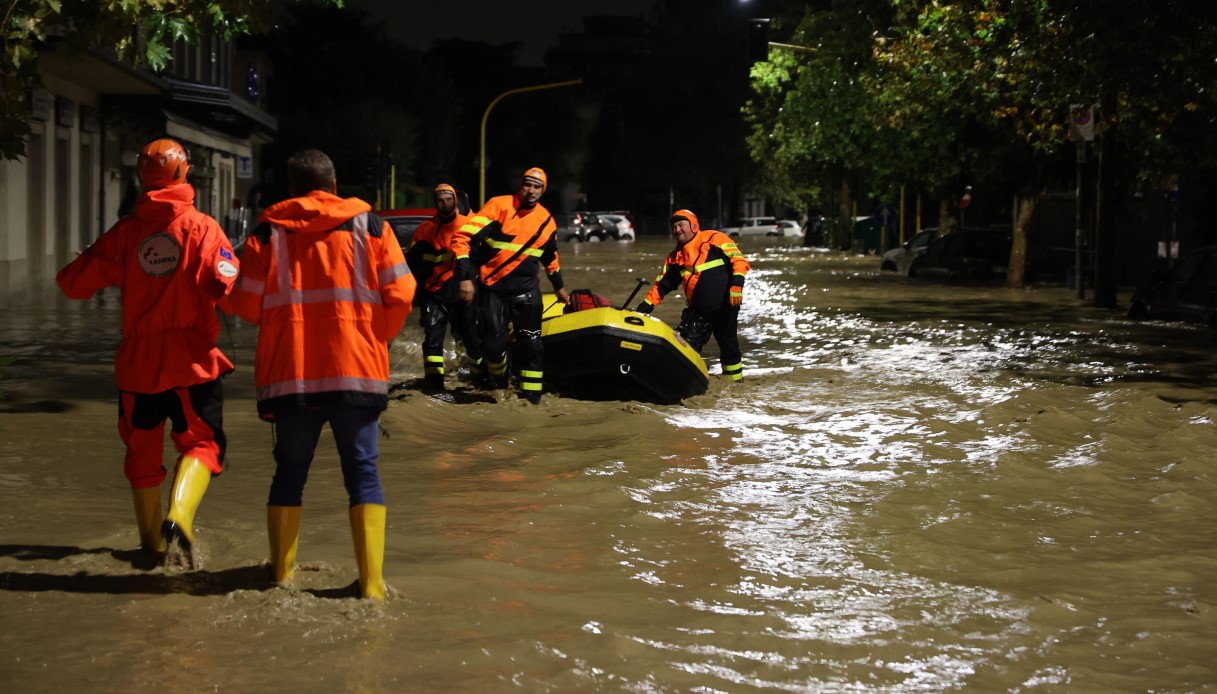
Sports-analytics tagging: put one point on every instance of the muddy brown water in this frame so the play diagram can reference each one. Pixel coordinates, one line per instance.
(915, 488)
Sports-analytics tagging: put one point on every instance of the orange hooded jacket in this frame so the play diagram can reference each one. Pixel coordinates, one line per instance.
(434, 252)
(172, 263)
(326, 282)
(511, 243)
(710, 267)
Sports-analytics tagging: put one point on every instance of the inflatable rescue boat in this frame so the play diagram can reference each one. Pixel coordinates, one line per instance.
(598, 352)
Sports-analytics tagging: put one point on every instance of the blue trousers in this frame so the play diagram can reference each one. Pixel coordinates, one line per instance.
(296, 437)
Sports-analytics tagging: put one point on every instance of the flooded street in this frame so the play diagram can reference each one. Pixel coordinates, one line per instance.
(914, 488)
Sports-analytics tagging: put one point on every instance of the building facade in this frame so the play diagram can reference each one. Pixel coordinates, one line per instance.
(91, 116)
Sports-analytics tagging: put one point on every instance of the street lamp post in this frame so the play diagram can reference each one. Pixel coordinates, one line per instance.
(486, 115)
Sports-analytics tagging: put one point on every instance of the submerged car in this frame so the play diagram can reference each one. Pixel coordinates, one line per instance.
(1185, 292)
(581, 226)
(752, 226)
(965, 256)
(787, 227)
(900, 258)
(617, 224)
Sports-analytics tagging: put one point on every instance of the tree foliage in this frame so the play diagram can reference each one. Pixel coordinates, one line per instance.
(809, 119)
(139, 32)
(983, 88)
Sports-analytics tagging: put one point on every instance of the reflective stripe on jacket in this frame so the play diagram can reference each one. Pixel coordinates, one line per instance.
(507, 248)
(710, 267)
(435, 250)
(173, 263)
(327, 283)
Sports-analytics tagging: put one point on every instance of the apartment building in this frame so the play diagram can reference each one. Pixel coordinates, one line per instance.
(91, 116)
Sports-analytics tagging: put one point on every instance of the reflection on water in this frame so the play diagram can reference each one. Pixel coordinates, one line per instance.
(915, 488)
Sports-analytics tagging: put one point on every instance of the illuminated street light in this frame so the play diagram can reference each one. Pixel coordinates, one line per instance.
(486, 115)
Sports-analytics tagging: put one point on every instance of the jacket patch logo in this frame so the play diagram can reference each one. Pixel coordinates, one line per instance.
(226, 269)
(225, 254)
(159, 254)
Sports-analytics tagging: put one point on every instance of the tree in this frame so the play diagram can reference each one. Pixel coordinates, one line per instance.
(1016, 66)
(983, 88)
(812, 133)
(138, 31)
(985, 64)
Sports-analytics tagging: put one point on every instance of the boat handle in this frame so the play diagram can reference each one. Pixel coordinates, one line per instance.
(624, 368)
(633, 320)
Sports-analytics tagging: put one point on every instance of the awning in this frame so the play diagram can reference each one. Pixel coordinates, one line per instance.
(176, 126)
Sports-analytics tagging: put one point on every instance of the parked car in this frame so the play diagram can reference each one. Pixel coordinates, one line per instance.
(818, 231)
(1185, 292)
(618, 225)
(787, 227)
(965, 255)
(405, 220)
(581, 226)
(752, 226)
(900, 258)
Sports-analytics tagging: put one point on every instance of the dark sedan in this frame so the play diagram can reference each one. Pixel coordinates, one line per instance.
(1185, 292)
(965, 256)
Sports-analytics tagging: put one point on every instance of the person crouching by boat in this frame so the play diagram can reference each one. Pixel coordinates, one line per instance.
(173, 263)
(513, 237)
(711, 268)
(328, 286)
(443, 295)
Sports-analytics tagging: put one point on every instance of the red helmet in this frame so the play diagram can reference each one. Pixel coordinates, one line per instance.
(162, 163)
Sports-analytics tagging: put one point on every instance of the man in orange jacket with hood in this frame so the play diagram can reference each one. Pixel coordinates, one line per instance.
(329, 287)
(512, 240)
(172, 263)
(438, 254)
(710, 267)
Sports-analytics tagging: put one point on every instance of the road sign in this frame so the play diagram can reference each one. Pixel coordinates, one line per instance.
(966, 199)
(886, 214)
(1081, 122)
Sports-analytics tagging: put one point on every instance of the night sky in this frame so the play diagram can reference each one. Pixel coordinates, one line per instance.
(536, 24)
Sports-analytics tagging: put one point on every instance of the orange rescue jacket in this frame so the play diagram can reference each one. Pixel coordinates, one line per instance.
(434, 251)
(510, 243)
(710, 267)
(326, 282)
(172, 263)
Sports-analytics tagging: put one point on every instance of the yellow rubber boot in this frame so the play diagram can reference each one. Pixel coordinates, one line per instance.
(189, 485)
(148, 518)
(368, 531)
(283, 526)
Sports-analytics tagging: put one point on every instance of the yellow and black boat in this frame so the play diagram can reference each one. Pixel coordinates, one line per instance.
(607, 353)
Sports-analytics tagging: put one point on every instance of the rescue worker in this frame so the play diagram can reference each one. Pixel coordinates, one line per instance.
(513, 238)
(710, 267)
(326, 282)
(172, 264)
(433, 256)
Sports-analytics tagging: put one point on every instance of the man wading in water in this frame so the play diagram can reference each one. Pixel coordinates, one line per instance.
(173, 264)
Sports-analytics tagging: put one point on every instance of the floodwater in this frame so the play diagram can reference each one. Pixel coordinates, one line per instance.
(915, 488)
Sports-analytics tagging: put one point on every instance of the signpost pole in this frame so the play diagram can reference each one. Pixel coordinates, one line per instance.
(1082, 131)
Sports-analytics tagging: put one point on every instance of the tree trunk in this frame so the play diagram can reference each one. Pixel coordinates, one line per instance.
(946, 221)
(845, 218)
(1016, 275)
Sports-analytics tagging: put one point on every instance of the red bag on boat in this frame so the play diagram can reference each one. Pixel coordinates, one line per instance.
(583, 299)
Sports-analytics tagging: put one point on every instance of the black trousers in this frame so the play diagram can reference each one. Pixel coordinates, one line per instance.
(434, 315)
(697, 327)
(519, 314)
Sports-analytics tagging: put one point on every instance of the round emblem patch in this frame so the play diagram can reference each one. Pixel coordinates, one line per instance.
(159, 254)
(226, 269)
